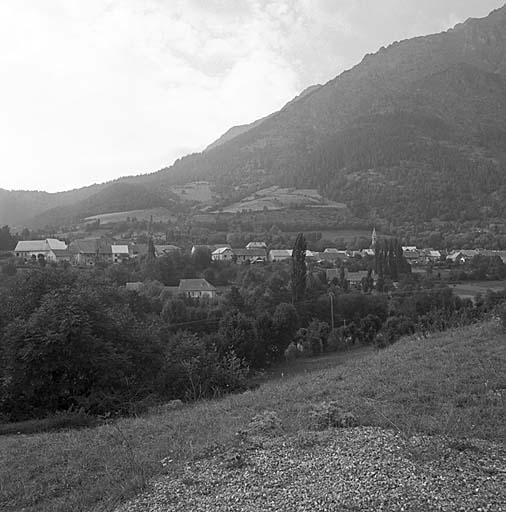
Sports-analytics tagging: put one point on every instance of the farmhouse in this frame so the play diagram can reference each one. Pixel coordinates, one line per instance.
(280, 254)
(197, 288)
(462, 256)
(49, 249)
(257, 245)
(222, 254)
(433, 255)
(120, 253)
(90, 251)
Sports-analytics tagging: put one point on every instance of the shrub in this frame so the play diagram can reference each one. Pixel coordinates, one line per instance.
(291, 352)
(265, 423)
(331, 415)
(314, 337)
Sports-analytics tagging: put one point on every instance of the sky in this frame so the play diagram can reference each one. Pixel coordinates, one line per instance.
(91, 90)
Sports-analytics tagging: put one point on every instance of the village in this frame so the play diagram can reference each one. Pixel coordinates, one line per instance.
(355, 266)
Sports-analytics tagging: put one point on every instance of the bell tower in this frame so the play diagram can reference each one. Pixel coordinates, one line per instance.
(374, 238)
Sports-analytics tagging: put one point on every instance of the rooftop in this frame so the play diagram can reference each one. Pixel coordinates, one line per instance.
(193, 285)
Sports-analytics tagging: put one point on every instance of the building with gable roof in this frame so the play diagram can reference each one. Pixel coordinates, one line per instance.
(50, 249)
(280, 254)
(196, 288)
(222, 254)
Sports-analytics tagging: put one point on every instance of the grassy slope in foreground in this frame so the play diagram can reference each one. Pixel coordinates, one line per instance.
(452, 383)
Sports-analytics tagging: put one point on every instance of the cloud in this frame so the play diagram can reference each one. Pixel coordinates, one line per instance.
(94, 90)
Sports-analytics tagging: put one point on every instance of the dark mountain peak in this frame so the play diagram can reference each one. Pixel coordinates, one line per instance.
(235, 131)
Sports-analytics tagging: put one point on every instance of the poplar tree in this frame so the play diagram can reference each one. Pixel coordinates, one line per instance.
(299, 268)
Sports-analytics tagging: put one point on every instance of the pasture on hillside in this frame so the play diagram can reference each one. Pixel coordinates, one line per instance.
(451, 383)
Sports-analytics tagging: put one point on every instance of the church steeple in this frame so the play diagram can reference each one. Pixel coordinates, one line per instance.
(374, 238)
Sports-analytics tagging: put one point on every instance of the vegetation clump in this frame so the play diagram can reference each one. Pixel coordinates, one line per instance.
(331, 415)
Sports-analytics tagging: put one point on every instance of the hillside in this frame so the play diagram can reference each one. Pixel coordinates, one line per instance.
(415, 132)
(450, 385)
(235, 131)
(115, 197)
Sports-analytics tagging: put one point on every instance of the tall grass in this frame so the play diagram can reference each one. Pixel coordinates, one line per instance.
(451, 383)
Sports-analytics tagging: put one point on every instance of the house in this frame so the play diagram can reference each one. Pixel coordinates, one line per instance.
(433, 255)
(331, 250)
(367, 252)
(90, 251)
(355, 278)
(250, 255)
(196, 288)
(257, 245)
(501, 254)
(280, 254)
(412, 254)
(312, 255)
(49, 249)
(462, 256)
(28, 249)
(223, 254)
(58, 255)
(209, 248)
(120, 253)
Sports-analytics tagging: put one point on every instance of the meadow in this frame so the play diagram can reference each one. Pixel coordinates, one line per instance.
(451, 383)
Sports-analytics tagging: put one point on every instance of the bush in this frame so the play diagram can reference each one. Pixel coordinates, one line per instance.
(331, 415)
(336, 341)
(393, 329)
(291, 352)
(313, 338)
(265, 423)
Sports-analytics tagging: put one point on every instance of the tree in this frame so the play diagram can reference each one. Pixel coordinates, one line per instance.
(151, 249)
(299, 268)
(202, 258)
(234, 300)
(7, 241)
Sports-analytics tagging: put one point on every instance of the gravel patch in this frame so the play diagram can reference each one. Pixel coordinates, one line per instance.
(362, 469)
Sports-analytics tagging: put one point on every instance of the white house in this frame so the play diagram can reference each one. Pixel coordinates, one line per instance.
(50, 249)
(120, 253)
(280, 254)
(462, 256)
(222, 254)
(197, 288)
(257, 245)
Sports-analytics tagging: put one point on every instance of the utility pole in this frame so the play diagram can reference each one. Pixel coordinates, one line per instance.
(332, 297)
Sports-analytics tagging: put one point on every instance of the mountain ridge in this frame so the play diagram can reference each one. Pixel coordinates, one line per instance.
(442, 93)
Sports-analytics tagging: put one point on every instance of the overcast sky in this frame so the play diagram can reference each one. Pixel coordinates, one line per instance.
(91, 90)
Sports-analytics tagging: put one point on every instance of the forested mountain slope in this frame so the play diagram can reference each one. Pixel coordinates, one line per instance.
(417, 130)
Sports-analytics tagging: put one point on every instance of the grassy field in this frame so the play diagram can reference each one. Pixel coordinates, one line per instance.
(452, 384)
(158, 214)
(278, 198)
(470, 289)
